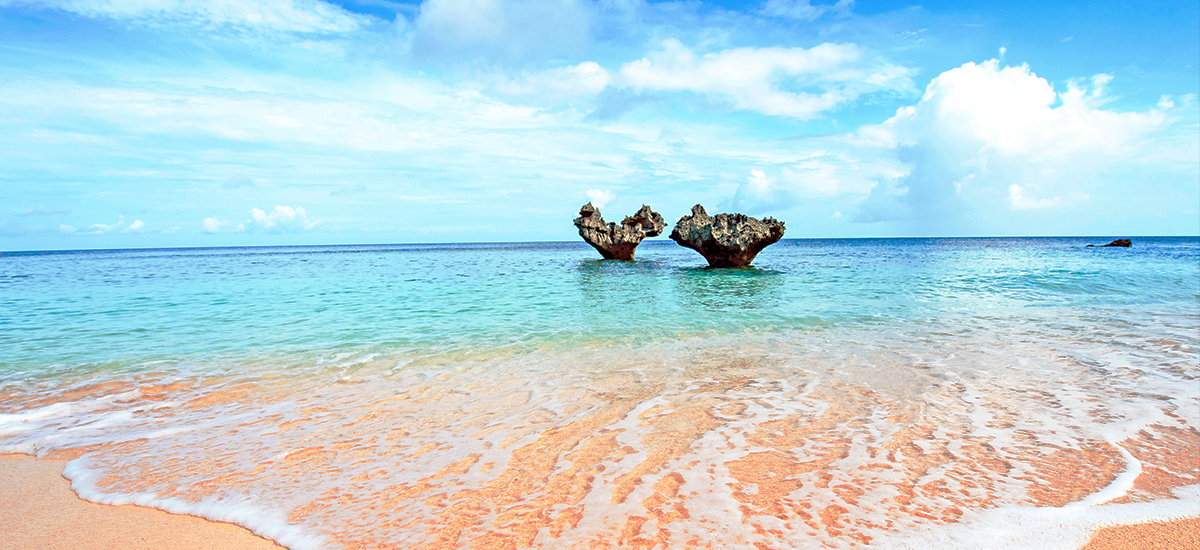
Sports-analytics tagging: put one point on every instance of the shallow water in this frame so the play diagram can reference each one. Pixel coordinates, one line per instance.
(888, 392)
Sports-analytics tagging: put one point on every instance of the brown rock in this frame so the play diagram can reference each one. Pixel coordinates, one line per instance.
(618, 242)
(1119, 243)
(726, 240)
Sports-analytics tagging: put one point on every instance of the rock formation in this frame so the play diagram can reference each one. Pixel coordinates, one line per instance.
(726, 240)
(618, 242)
(1122, 243)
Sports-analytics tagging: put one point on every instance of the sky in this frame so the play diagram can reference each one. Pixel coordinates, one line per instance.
(164, 123)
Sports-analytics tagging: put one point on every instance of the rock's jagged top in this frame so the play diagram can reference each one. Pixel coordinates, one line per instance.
(618, 242)
(726, 240)
(650, 221)
(1119, 243)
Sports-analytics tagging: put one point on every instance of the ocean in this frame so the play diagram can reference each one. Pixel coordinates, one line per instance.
(891, 393)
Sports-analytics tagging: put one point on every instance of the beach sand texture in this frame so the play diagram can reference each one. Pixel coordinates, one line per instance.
(1171, 535)
(39, 511)
(365, 467)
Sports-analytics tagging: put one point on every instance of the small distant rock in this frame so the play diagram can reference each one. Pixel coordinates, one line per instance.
(618, 242)
(726, 240)
(1121, 243)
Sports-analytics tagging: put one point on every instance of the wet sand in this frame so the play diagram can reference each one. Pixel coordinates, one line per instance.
(1172, 535)
(39, 511)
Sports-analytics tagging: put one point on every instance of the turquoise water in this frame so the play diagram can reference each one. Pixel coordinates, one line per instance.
(124, 308)
(906, 393)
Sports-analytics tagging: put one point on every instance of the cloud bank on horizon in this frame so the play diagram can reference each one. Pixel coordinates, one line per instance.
(313, 122)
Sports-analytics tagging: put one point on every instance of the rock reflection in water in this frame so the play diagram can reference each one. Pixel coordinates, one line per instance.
(635, 290)
(728, 289)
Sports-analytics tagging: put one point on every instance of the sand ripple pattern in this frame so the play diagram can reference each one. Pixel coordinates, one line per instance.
(827, 438)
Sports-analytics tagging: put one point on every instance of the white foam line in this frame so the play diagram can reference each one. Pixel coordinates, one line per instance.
(104, 420)
(20, 422)
(267, 524)
(1119, 486)
(1058, 528)
(165, 432)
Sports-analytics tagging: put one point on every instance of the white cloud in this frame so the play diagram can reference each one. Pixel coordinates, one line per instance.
(981, 129)
(212, 225)
(100, 228)
(576, 81)
(759, 184)
(833, 173)
(760, 193)
(259, 15)
(792, 82)
(600, 198)
(501, 30)
(828, 175)
(1021, 201)
(380, 113)
(284, 219)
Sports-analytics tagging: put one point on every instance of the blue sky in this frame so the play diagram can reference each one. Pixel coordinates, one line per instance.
(149, 123)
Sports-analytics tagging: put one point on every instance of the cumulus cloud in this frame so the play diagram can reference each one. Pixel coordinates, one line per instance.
(284, 219)
(585, 79)
(134, 227)
(824, 175)
(600, 198)
(991, 137)
(212, 225)
(791, 82)
(95, 229)
(259, 15)
(758, 194)
(501, 30)
(1021, 201)
(817, 176)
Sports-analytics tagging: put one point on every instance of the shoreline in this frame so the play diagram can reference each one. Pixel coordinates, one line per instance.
(38, 509)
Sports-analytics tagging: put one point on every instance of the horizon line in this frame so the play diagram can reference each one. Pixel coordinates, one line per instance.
(221, 247)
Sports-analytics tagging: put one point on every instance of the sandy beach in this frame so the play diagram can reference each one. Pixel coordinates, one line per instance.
(39, 510)
(1184, 533)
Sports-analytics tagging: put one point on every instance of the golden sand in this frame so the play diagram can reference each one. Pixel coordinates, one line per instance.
(38, 510)
(1169, 535)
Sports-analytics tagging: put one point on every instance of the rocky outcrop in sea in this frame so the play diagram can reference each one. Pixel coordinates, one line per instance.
(618, 242)
(726, 240)
(1119, 243)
